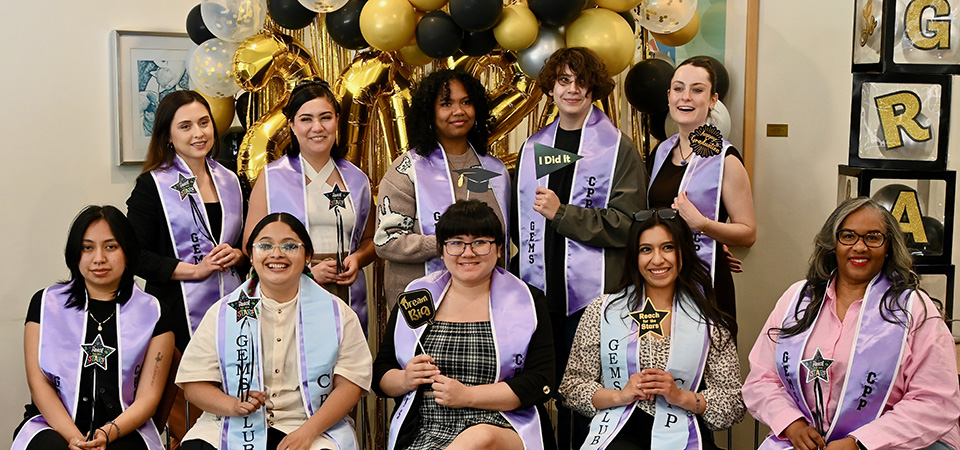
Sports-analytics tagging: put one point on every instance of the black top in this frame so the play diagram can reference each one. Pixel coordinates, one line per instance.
(532, 386)
(554, 248)
(157, 256)
(107, 396)
(663, 190)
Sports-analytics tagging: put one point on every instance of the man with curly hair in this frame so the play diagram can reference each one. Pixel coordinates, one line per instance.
(572, 224)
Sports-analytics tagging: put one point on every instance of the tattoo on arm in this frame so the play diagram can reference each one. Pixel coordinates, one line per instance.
(156, 369)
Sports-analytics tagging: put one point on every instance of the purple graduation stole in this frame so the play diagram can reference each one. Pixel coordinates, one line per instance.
(874, 363)
(703, 180)
(319, 333)
(190, 241)
(592, 182)
(286, 192)
(62, 331)
(435, 192)
(672, 428)
(513, 318)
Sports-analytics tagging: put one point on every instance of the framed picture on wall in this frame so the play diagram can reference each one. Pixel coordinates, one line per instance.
(146, 66)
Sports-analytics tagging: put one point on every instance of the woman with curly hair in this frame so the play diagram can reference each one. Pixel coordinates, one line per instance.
(448, 143)
(856, 355)
(572, 224)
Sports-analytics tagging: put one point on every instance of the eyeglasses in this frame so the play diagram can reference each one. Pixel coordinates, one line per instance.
(665, 213)
(873, 239)
(287, 248)
(480, 247)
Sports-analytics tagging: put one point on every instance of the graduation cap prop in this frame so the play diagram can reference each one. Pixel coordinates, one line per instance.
(551, 159)
(478, 178)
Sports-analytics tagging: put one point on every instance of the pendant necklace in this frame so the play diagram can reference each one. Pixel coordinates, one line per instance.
(99, 323)
(683, 160)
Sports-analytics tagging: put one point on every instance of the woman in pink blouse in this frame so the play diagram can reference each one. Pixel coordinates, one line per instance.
(856, 355)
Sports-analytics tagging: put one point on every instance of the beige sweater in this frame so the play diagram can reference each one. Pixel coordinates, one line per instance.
(398, 238)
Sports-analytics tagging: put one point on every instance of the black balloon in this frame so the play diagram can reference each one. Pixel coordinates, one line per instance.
(887, 196)
(556, 12)
(656, 123)
(243, 102)
(230, 148)
(438, 35)
(344, 25)
(196, 28)
(476, 15)
(723, 78)
(290, 14)
(646, 85)
(478, 43)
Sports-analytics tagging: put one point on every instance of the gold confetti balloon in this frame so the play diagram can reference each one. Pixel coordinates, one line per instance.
(234, 20)
(211, 68)
(665, 16)
(681, 36)
(323, 6)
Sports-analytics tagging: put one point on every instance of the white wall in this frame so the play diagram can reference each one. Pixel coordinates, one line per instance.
(56, 143)
(55, 114)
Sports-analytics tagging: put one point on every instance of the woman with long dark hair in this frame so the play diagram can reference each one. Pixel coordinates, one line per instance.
(316, 184)
(279, 362)
(447, 161)
(654, 364)
(856, 355)
(97, 348)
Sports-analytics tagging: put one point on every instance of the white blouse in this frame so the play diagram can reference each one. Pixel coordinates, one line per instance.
(323, 220)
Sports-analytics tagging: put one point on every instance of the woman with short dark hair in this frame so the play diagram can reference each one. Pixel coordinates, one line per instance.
(97, 348)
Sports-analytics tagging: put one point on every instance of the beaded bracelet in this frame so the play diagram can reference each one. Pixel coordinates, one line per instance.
(105, 435)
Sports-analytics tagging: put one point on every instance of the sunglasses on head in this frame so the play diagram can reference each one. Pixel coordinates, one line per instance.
(664, 213)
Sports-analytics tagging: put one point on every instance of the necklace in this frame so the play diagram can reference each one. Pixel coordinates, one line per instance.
(683, 160)
(99, 323)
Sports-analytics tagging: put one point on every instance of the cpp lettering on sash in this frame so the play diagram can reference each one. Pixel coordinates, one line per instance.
(671, 419)
(932, 33)
(588, 201)
(867, 390)
(532, 246)
(136, 376)
(518, 364)
(697, 240)
(197, 253)
(324, 380)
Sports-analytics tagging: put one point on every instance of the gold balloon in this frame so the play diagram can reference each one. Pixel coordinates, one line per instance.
(222, 109)
(517, 28)
(261, 58)
(388, 24)
(428, 5)
(412, 55)
(618, 5)
(606, 33)
(681, 36)
(375, 90)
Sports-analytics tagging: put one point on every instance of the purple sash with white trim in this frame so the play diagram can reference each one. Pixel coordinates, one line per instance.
(435, 192)
(62, 331)
(875, 362)
(593, 180)
(286, 192)
(672, 427)
(318, 331)
(513, 318)
(703, 181)
(190, 242)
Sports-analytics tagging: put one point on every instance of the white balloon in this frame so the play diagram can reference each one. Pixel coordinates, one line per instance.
(211, 68)
(323, 6)
(719, 117)
(234, 20)
(665, 16)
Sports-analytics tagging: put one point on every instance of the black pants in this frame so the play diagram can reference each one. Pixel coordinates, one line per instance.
(572, 427)
(635, 434)
(49, 439)
(274, 436)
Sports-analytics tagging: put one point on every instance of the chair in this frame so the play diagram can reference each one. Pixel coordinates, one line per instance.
(170, 390)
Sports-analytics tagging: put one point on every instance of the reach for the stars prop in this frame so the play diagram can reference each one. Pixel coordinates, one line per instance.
(246, 308)
(818, 369)
(649, 321)
(187, 188)
(95, 354)
(417, 309)
(337, 199)
(549, 159)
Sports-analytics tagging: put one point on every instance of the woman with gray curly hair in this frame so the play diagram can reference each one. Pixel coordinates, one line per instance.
(856, 355)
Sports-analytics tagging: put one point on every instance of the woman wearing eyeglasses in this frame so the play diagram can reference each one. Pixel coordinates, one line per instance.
(856, 355)
(478, 374)
(712, 192)
(331, 196)
(448, 137)
(654, 364)
(279, 362)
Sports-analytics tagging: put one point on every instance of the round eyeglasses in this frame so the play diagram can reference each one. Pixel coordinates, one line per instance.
(873, 239)
(480, 247)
